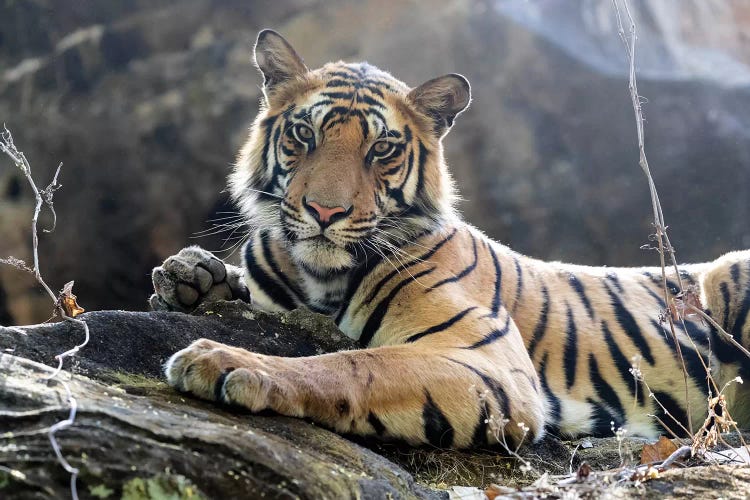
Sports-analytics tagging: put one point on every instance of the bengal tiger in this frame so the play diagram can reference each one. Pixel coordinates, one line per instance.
(345, 185)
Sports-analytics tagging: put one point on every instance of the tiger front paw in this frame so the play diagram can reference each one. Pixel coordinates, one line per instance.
(194, 276)
(229, 375)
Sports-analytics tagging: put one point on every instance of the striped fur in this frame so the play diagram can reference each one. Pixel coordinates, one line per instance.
(454, 327)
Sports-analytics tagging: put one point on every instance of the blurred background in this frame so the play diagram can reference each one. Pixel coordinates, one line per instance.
(147, 101)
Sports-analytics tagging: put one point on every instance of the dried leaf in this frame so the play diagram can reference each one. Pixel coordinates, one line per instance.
(68, 301)
(658, 451)
(685, 304)
(494, 490)
(584, 470)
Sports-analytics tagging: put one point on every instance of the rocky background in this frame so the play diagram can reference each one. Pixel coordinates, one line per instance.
(146, 102)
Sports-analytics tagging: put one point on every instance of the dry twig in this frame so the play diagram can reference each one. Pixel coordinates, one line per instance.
(64, 302)
(685, 302)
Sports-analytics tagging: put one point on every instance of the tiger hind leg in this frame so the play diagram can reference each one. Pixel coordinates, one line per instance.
(726, 287)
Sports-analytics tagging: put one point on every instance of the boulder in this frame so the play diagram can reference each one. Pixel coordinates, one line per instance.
(135, 437)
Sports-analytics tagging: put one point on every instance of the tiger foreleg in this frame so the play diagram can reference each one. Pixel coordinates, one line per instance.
(419, 395)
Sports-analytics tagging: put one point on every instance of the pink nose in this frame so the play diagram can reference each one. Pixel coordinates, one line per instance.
(325, 215)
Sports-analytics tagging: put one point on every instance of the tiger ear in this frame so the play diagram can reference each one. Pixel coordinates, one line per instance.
(442, 98)
(276, 59)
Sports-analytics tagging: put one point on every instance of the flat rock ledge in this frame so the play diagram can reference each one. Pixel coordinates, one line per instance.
(136, 438)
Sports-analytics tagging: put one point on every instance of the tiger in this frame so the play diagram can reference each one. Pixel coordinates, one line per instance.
(464, 342)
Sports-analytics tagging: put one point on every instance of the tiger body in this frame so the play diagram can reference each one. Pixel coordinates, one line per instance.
(344, 181)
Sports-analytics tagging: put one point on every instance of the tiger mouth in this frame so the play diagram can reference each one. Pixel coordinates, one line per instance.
(318, 238)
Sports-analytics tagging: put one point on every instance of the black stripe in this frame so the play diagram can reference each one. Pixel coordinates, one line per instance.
(463, 273)
(364, 126)
(355, 281)
(724, 351)
(741, 319)
(628, 324)
(334, 113)
(654, 295)
(376, 317)
(370, 101)
(268, 255)
(734, 272)
(528, 377)
(492, 336)
(349, 77)
(570, 356)
(612, 277)
(376, 423)
(675, 409)
(337, 82)
(479, 438)
(323, 309)
(519, 281)
(503, 402)
(323, 274)
(270, 287)
(268, 124)
(695, 331)
(372, 86)
(578, 287)
(495, 306)
(622, 363)
(440, 327)
(420, 168)
(602, 420)
(672, 287)
(339, 95)
(605, 391)
(437, 429)
(692, 359)
(541, 327)
(376, 289)
(687, 277)
(407, 134)
(555, 409)
(725, 297)
(219, 385)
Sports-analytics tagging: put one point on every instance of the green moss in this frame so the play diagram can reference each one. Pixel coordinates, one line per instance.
(10, 476)
(161, 487)
(100, 491)
(136, 384)
(136, 380)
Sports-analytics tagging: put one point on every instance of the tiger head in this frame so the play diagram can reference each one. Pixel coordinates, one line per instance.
(345, 160)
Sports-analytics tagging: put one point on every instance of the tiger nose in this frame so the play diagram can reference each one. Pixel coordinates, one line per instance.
(326, 215)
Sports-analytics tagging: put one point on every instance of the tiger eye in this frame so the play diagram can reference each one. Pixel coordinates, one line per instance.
(382, 147)
(304, 132)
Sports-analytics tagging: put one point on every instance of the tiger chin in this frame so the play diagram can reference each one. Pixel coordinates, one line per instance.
(464, 342)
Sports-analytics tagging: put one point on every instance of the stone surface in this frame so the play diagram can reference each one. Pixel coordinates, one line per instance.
(120, 437)
(133, 433)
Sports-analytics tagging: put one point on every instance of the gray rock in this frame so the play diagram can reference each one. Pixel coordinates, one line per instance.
(134, 434)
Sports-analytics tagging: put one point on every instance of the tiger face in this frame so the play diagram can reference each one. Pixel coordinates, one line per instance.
(344, 159)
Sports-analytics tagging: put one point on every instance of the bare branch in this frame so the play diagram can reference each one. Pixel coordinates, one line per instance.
(660, 228)
(64, 302)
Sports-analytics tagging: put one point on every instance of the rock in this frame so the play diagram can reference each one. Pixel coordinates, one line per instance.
(122, 441)
(133, 433)
(139, 343)
(147, 114)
